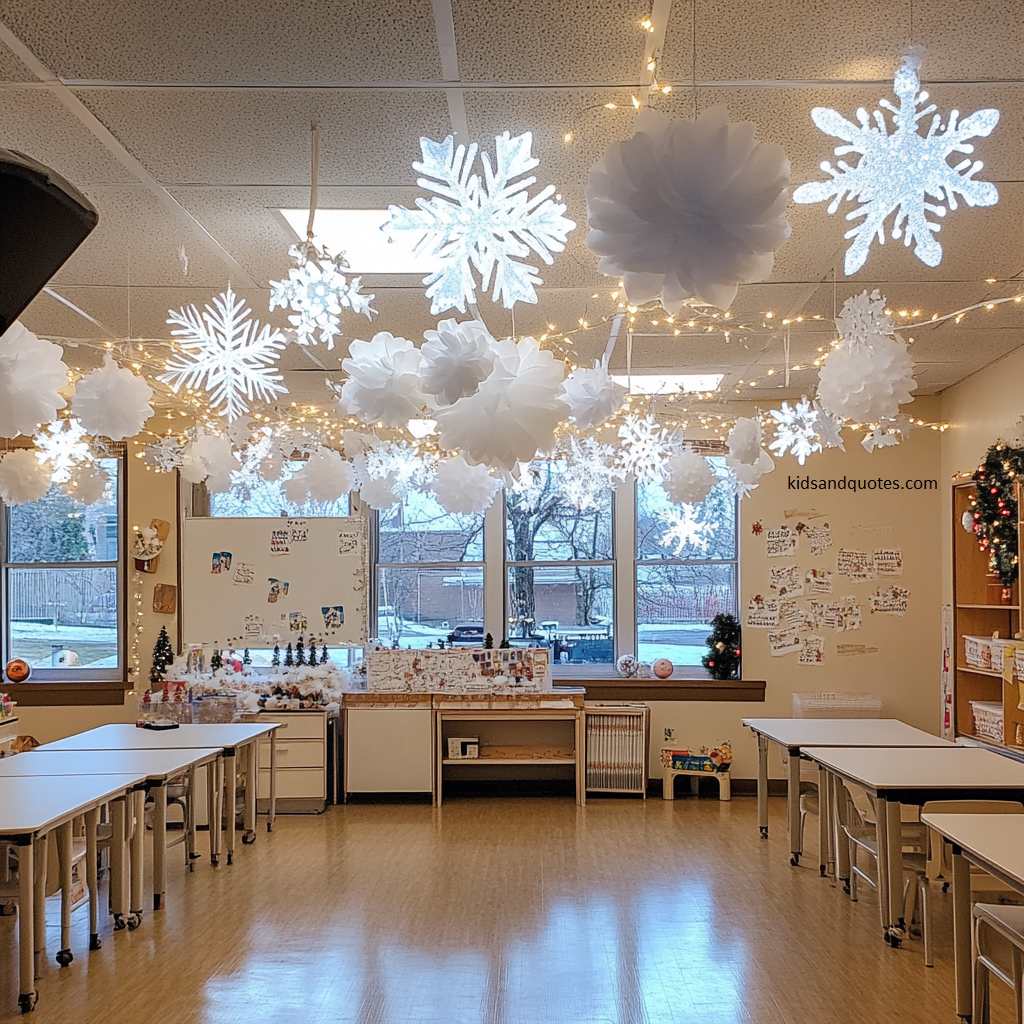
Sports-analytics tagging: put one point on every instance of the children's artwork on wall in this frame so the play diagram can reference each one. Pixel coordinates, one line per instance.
(783, 643)
(297, 622)
(888, 562)
(819, 538)
(842, 615)
(298, 531)
(220, 561)
(854, 650)
(348, 542)
(780, 543)
(253, 627)
(818, 581)
(334, 616)
(165, 598)
(245, 574)
(462, 670)
(762, 614)
(812, 651)
(278, 589)
(857, 565)
(791, 615)
(787, 580)
(279, 541)
(890, 601)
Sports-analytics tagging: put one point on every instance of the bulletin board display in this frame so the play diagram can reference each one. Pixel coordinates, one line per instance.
(260, 582)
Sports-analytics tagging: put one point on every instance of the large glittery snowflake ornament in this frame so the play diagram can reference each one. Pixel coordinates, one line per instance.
(164, 455)
(829, 428)
(898, 172)
(317, 291)
(487, 225)
(589, 473)
(62, 446)
(685, 531)
(230, 355)
(646, 445)
(796, 430)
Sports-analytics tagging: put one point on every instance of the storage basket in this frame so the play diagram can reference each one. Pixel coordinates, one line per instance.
(978, 651)
(988, 719)
(837, 705)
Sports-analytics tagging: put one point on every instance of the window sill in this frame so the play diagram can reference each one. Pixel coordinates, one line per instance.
(66, 692)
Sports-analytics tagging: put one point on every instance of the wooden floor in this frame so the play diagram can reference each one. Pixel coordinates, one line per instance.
(503, 911)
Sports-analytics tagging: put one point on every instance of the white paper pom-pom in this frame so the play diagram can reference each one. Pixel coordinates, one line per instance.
(86, 484)
(31, 371)
(378, 494)
(113, 402)
(463, 488)
(688, 478)
(384, 380)
(744, 441)
(688, 209)
(326, 476)
(514, 413)
(209, 457)
(592, 395)
(23, 478)
(457, 357)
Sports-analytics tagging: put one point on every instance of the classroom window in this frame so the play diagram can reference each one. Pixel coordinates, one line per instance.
(252, 496)
(63, 583)
(429, 574)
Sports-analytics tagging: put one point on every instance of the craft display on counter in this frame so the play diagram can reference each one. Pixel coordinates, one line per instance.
(459, 670)
(148, 543)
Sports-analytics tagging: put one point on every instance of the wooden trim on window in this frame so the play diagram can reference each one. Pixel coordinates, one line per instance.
(53, 694)
(671, 689)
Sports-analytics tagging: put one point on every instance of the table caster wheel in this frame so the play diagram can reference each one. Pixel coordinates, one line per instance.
(821, 870)
(270, 826)
(895, 941)
(945, 886)
(64, 957)
(95, 942)
(28, 1002)
(8, 909)
(795, 860)
(215, 861)
(764, 831)
(248, 838)
(134, 920)
(231, 857)
(119, 922)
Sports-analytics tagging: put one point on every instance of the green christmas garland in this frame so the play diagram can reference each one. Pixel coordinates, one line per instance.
(995, 508)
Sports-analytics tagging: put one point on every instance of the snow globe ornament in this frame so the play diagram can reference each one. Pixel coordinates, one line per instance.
(662, 668)
(627, 666)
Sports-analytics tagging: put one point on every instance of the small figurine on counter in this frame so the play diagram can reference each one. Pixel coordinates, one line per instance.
(300, 652)
(275, 661)
(289, 657)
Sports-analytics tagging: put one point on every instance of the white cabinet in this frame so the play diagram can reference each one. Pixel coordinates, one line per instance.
(388, 750)
(301, 761)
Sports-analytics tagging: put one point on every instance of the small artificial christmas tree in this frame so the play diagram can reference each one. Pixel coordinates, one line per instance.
(246, 660)
(163, 655)
(488, 642)
(289, 657)
(723, 658)
(300, 652)
(275, 661)
(323, 655)
(216, 661)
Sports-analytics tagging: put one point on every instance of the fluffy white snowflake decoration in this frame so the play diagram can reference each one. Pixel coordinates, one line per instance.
(271, 466)
(829, 428)
(462, 488)
(457, 357)
(514, 412)
(867, 375)
(378, 494)
(685, 531)
(592, 395)
(23, 478)
(881, 437)
(746, 461)
(326, 476)
(898, 173)
(688, 209)
(164, 455)
(113, 402)
(31, 372)
(742, 480)
(646, 445)
(229, 355)
(590, 471)
(317, 291)
(485, 225)
(796, 430)
(86, 484)
(862, 317)
(687, 478)
(209, 457)
(399, 460)
(62, 446)
(383, 380)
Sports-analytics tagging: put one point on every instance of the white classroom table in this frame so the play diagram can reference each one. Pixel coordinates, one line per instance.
(154, 767)
(793, 734)
(993, 842)
(30, 808)
(914, 776)
(231, 737)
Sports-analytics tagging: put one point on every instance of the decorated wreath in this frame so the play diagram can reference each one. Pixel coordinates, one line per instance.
(995, 508)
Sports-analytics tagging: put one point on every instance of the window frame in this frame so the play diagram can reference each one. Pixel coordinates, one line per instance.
(79, 675)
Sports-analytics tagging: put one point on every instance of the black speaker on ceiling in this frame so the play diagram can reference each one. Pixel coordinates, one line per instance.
(43, 220)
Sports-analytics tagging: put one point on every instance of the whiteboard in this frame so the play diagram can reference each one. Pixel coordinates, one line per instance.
(258, 582)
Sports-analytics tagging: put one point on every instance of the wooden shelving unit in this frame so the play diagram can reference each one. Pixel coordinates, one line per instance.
(978, 611)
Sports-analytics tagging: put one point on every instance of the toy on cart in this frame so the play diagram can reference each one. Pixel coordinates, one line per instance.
(714, 762)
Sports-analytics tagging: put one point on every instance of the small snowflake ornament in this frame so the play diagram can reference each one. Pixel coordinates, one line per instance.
(685, 532)
(829, 428)
(164, 455)
(230, 355)
(897, 173)
(486, 225)
(317, 291)
(796, 430)
(62, 446)
(589, 473)
(645, 447)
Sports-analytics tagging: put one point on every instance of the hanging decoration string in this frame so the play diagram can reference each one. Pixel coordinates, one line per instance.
(314, 174)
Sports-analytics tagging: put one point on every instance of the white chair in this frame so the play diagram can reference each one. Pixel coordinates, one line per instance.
(1008, 924)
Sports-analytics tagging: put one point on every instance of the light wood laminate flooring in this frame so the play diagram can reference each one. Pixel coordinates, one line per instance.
(503, 911)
